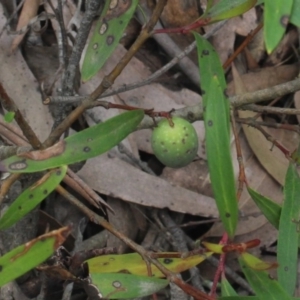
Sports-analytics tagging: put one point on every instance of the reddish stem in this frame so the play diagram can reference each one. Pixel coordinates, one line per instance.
(221, 265)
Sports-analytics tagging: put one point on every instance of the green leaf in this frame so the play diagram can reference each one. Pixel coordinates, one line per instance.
(276, 18)
(83, 145)
(32, 196)
(287, 247)
(108, 32)
(264, 286)
(9, 116)
(134, 264)
(216, 120)
(123, 286)
(227, 9)
(295, 16)
(269, 208)
(25, 257)
(226, 288)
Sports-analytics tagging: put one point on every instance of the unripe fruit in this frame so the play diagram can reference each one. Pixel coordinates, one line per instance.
(175, 146)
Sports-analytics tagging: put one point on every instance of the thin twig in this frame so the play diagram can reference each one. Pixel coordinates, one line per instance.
(271, 109)
(266, 94)
(254, 123)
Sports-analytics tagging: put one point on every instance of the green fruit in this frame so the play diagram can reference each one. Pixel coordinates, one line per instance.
(175, 146)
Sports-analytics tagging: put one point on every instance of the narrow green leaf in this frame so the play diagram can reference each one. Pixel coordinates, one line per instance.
(124, 286)
(216, 120)
(83, 145)
(32, 196)
(226, 288)
(276, 18)
(108, 32)
(134, 264)
(264, 286)
(295, 16)
(226, 9)
(269, 208)
(25, 257)
(289, 226)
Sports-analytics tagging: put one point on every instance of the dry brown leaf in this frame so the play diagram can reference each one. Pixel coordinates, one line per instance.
(224, 39)
(22, 87)
(273, 160)
(114, 177)
(29, 11)
(122, 220)
(266, 77)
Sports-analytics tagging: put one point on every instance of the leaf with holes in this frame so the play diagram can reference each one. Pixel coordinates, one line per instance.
(25, 257)
(32, 196)
(124, 286)
(134, 264)
(217, 133)
(108, 32)
(83, 145)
